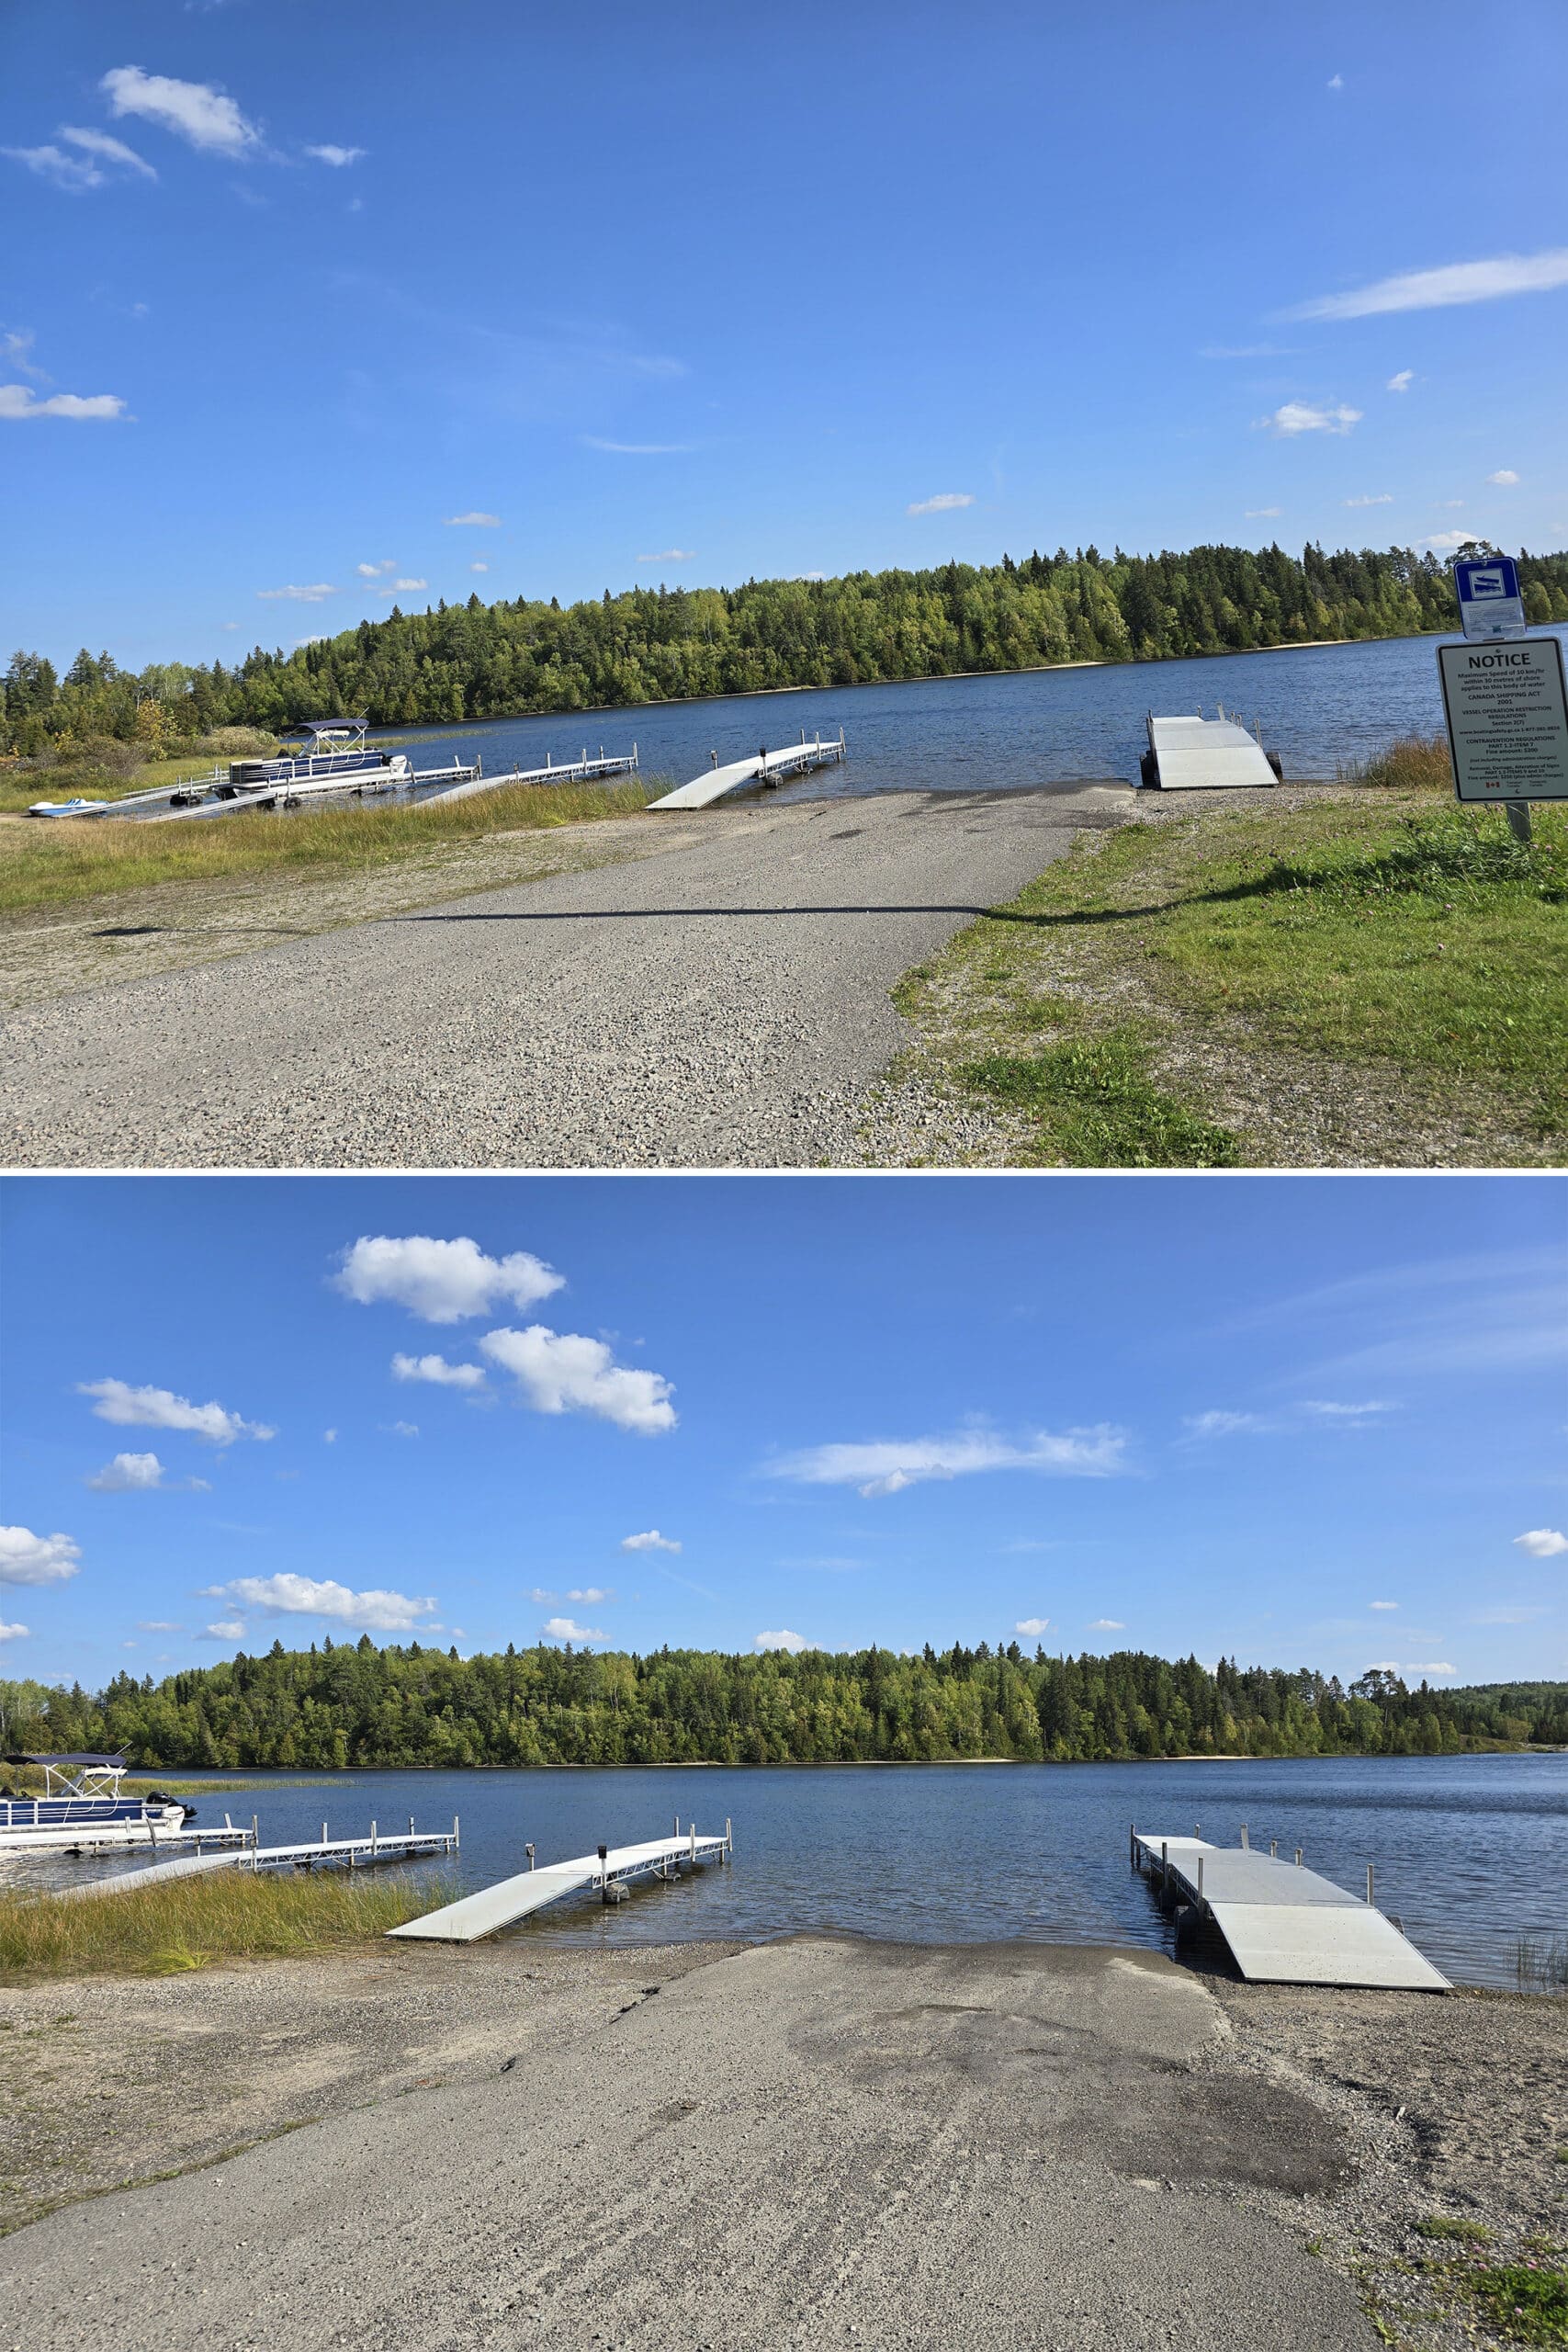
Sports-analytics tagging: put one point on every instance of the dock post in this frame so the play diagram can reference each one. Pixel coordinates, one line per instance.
(1245, 1840)
(1273, 1848)
(604, 1880)
(1132, 1844)
(323, 1833)
(411, 1824)
(728, 1837)
(693, 1845)
(1200, 1881)
(1369, 1884)
(255, 1843)
(372, 1841)
(455, 1838)
(529, 1851)
(1298, 1858)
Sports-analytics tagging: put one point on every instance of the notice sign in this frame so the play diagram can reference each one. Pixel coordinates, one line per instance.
(1489, 600)
(1507, 716)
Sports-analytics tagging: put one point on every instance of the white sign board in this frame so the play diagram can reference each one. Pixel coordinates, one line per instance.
(1490, 604)
(1507, 714)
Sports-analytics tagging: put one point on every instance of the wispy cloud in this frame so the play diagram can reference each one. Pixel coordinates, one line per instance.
(441, 1282)
(316, 593)
(1402, 381)
(27, 1558)
(1294, 417)
(1244, 351)
(1437, 289)
(1106, 1625)
(479, 567)
(1431, 1666)
(637, 448)
(473, 521)
(1542, 1542)
(437, 1370)
(1218, 1422)
(1503, 479)
(1334, 81)
(224, 1629)
(649, 1541)
(140, 1474)
(670, 555)
(886, 1468)
(1372, 498)
(1262, 514)
(16, 348)
(288, 1595)
(401, 587)
(376, 571)
(198, 112)
(160, 1408)
(1383, 1604)
(1446, 540)
(19, 402)
(338, 157)
(1523, 1614)
(944, 503)
(1326, 1410)
(567, 1372)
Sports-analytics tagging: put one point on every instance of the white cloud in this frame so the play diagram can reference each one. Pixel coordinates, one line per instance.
(1300, 417)
(1326, 1410)
(136, 1473)
(160, 1408)
(1436, 289)
(12, 1633)
(288, 1595)
(1382, 1666)
(637, 448)
(1107, 1625)
(783, 1640)
(1504, 477)
(1448, 539)
(437, 1369)
(1033, 1626)
(567, 1629)
(195, 111)
(15, 345)
(649, 1541)
(475, 521)
(400, 587)
(53, 163)
(1334, 81)
(590, 1595)
(315, 593)
(479, 567)
(336, 156)
(441, 1282)
(670, 555)
(1259, 514)
(1519, 1616)
(224, 1629)
(157, 1625)
(1372, 498)
(1383, 1604)
(375, 571)
(1434, 1666)
(566, 1373)
(317, 637)
(944, 503)
(18, 401)
(1222, 1424)
(329, 1437)
(1542, 1542)
(887, 1467)
(1402, 381)
(402, 1429)
(108, 150)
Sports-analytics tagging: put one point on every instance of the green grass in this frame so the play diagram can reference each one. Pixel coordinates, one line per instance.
(1395, 930)
(45, 865)
(1440, 2225)
(1527, 2301)
(221, 1914)
(108, 770)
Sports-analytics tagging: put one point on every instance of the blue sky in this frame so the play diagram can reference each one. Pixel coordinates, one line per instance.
(1307, 1422)
(701, 293)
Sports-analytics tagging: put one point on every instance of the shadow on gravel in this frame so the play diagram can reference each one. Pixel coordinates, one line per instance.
(683, 914)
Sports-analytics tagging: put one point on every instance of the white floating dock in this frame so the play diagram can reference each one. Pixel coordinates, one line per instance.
(770, 767)
(85, 1836)
(1205, 754)
(348, 1853)
(1284, 1924)
(569, 772)
(495, 1907)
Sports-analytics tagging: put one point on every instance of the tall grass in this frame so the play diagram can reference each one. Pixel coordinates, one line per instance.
(1414, 763)
(49, 862)
(187, 1923)
(1541, 1963)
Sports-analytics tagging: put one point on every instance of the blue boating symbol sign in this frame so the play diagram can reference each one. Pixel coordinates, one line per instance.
(1489, 600)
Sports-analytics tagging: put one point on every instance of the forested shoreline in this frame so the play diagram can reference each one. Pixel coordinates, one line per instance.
(453, 662)
(345, 1704)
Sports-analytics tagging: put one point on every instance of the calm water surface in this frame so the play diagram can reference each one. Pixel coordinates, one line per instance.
(1471, 1851)
(1317, 706)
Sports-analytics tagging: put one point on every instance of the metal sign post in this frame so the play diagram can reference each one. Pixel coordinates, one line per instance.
(1507, 707)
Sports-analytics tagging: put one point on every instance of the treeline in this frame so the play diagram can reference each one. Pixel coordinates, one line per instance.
(345, 1704)
(478, 660)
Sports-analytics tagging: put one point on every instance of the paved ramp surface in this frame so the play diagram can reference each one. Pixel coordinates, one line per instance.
(811, 2143)
(722, 1003)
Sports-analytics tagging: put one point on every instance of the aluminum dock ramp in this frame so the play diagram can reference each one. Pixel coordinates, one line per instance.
(346, 1853)
(497, 1907)
(1284, 1925)
(1205, 754)
(763, 767)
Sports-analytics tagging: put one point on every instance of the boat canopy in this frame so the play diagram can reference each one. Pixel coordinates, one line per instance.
(105, 1763)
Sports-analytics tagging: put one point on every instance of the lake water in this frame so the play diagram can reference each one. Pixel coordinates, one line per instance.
(1317, 706)
(1472, 1852)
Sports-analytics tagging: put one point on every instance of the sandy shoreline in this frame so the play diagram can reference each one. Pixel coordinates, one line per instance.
(718, 2145)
